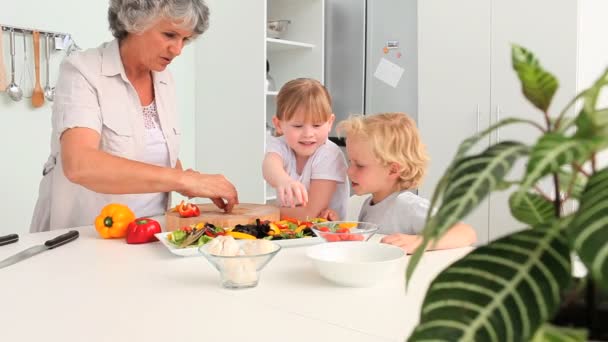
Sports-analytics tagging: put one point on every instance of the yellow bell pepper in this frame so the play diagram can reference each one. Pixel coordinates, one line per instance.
(347, 225)
(274, 228)
(239, 235)
(300, 228)
(113, 221)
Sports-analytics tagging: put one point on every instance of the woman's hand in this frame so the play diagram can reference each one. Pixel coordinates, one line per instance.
(407, 242)
(215, 187)
(292, 192)
(329, 215)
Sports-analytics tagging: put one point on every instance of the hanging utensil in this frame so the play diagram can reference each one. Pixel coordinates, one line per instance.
(50, 244)
(7, 239)
(38, 94)
(27, 78)
(49, 93)
(13, 90)
(3, 83)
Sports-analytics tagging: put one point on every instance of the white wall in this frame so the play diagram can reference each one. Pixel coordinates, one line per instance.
(25, 132)
(593, 49)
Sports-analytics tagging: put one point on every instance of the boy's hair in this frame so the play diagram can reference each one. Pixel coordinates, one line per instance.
(394, 138)
(304, 94)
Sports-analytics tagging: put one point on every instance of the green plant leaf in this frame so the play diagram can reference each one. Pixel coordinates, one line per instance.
(503, 291)
(589, 228)
(538, 85)
(532, 209)
(551, 333)
(549, 154)
(469, 181)
(462, 151)
(593, 125)
(572, 182)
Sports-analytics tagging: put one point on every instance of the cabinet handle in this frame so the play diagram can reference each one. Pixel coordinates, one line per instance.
(478, 118)
(497, 121)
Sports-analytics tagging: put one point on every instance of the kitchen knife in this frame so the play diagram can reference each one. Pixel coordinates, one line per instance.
(5, 240)
(50, 244)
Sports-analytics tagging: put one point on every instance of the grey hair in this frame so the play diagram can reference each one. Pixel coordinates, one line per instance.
(135, 16)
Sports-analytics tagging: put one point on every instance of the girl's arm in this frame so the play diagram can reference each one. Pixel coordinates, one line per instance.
(289, 191)
(459, 235)
(319, 196)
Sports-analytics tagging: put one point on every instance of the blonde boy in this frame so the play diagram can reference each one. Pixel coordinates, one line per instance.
(387, 160)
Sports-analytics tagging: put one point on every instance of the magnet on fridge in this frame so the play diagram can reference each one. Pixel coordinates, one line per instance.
(385, 50)
(398, 54)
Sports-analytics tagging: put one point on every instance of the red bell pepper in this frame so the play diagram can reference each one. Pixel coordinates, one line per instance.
(142, 230)
(188, 210)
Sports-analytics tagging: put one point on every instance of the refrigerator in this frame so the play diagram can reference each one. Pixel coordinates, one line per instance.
(371, 57)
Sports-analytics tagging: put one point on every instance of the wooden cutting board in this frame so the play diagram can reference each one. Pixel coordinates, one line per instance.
(243, 213)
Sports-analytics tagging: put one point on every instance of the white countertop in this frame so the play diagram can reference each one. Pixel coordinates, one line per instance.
(106, 290)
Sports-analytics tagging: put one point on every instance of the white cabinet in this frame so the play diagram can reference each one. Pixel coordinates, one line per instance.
(232, 103)
(466, 81)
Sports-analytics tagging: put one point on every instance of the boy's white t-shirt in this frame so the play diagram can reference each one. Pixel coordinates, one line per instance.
(327, 162)
(401, 212)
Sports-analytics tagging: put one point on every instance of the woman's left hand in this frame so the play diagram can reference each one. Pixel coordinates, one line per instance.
(407, 242)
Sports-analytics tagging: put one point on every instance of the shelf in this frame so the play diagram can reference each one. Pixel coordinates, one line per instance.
(272, 93)
(282, 44)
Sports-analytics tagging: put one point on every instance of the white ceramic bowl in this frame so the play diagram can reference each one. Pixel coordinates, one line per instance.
(357, 263)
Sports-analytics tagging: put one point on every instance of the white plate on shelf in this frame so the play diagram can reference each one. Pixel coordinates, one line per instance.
(193, 251)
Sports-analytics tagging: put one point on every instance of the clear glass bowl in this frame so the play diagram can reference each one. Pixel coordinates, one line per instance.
(240, 271)
(334, 231)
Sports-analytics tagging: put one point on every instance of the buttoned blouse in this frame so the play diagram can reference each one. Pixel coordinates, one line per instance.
(93, 92)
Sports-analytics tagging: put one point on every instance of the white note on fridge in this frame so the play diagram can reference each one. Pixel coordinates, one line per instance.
(388, 72)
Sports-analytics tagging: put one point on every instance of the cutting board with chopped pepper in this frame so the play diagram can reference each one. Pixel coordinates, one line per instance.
(244, 213)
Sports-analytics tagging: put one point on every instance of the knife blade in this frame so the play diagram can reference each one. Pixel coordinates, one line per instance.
(49, 244)
(5, 240)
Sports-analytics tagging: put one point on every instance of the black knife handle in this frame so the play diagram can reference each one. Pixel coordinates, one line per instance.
(62, 239)
(5, 240)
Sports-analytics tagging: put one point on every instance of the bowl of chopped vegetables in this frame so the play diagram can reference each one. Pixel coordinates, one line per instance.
(334, 231)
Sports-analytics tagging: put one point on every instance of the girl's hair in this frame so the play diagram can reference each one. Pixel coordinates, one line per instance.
(304, 94)
(393, 138)
(136, 16)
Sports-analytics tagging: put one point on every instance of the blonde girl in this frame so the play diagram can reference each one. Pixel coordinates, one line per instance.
(307, 170)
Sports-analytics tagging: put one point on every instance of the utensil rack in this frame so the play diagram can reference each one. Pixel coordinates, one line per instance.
(51, 34)
(30, 31)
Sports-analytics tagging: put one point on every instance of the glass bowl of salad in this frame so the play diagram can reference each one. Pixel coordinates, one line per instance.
(334, 231)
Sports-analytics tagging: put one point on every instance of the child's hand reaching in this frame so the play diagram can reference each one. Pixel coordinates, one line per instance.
(407, 242)
(329, 215)
(292, 192)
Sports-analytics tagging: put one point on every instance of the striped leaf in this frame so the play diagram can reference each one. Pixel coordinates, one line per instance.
(589, 229)
(503, 291)
(550, 153)
(551, 333)
(462, 151)
(572, 183)
(532, 209)
(538, 85)
(469, 181)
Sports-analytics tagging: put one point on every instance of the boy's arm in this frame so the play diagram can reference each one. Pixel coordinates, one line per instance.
(319, 196)
(459, 235)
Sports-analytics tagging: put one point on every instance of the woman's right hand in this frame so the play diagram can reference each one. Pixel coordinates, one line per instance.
(292, 192)
(215, 187)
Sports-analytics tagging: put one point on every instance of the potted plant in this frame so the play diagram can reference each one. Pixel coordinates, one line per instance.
(509, 289)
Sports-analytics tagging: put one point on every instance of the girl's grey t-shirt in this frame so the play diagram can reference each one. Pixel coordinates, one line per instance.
(401, 212)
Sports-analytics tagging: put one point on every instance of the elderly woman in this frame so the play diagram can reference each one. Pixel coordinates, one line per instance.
(115, 133)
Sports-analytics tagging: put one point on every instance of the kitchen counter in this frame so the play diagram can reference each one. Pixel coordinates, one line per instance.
(106, 290)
